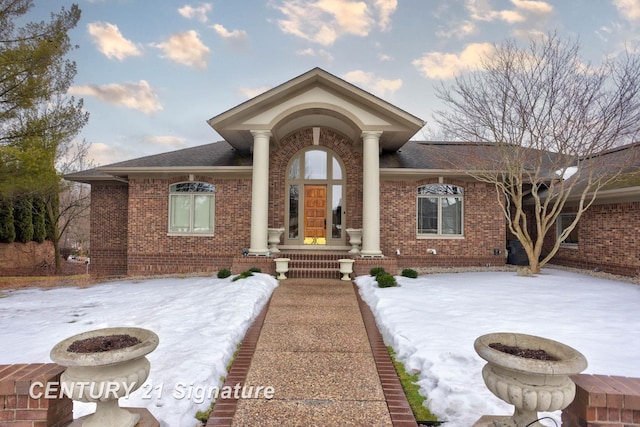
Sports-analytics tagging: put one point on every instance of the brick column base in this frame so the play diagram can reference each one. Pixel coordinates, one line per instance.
(19, 409)
(604, 401)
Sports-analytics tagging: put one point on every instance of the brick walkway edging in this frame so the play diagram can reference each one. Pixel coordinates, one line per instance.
(399, 409)
(225, 409)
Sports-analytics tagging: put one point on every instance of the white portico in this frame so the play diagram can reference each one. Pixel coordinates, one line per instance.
(310, 195)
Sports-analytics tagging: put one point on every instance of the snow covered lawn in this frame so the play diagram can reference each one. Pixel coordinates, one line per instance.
(432, 322)
(199, 321)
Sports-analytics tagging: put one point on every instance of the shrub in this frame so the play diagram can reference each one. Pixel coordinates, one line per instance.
(224, 273)
(376, 270)
(7, 228)
(255, 270)
(39, 220)
(410, 273)
(243, 275)
(386, 280)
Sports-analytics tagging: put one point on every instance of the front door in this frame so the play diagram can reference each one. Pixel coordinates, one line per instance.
(315, 214)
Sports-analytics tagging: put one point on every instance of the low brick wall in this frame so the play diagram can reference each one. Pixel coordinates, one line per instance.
(18, 409)
(604, 401)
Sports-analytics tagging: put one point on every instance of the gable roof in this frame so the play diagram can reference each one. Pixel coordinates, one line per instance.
(316, 98)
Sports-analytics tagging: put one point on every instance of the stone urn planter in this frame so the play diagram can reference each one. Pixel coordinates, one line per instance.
(346, 268)
(105, 376)
(282, 267)
(530, 384)
(274, 239)
(355, 239)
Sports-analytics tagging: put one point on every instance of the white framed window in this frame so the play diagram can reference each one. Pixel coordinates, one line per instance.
(563, 221)
(440, 209)
(191, 208)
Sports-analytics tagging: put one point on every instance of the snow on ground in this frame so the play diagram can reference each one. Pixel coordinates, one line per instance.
(199, 322)
(432, 322)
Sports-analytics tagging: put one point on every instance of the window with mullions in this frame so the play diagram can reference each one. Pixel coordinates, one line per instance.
(563, 222)
(440, 210)
(191, 207)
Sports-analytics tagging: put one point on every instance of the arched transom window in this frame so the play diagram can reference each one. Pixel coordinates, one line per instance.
(191, 207)
(440, 210)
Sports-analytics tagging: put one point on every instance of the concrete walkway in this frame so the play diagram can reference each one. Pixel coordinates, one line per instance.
(317, 345)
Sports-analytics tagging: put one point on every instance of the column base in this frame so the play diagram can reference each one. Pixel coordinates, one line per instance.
(259, 252)
(371, 254)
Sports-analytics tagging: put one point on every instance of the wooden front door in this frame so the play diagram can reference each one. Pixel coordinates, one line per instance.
(315, 214)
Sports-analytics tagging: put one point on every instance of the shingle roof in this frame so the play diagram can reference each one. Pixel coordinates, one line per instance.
(213, 154)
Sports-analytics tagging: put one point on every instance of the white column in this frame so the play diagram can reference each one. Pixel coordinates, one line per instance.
(260, 193)
(371, 194)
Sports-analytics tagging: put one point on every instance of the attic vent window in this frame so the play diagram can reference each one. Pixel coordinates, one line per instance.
(191, 208)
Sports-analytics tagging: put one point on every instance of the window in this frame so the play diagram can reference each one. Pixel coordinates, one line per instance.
(191, 207)
(563, 222)
(440, 210)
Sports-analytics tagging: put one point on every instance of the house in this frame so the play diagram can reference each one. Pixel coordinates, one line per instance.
(309, 168)
(607, 236)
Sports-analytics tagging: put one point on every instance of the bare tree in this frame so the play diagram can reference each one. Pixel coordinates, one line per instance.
(67, 205)
(545, 115)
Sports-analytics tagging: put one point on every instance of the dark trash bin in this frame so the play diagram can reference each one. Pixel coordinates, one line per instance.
(517, 254)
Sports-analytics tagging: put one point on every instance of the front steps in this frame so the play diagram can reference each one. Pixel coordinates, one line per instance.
(314, 265)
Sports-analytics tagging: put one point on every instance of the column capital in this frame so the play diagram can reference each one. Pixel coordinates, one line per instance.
(261, 133)
(370, 134)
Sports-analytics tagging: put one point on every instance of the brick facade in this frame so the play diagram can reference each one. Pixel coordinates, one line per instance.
(109, 217)
(608, 240)
(19, 409)
(484, 227)
(152, 251)
(604, 401)
(130, 221)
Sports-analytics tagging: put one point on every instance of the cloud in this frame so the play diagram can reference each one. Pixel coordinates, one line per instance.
(253, 92)
(137, 96)
(198, 13)
(536, 7)
(320, 53)
(324, 21)
(166, 141)
(110, 41)
(235, 36)
(439, 65)
(373, 83)
(464, 29)
(386, 9)
(185, 49)
(628, 9)
(481, 10)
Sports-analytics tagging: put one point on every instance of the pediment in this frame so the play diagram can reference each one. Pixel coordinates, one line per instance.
(316, 99)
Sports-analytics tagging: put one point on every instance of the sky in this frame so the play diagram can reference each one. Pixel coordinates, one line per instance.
(152, 73)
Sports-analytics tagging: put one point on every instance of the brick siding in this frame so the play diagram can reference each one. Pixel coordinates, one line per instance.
(18, 409)
(604, 401)
(109, 229)
(484, 227)
(608, 240)
(152, 251)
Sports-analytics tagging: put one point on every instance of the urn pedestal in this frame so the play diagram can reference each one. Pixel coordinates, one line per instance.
(282, 267)
(531, 385)
(355, 239)
(104, 377)
(346, 268)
